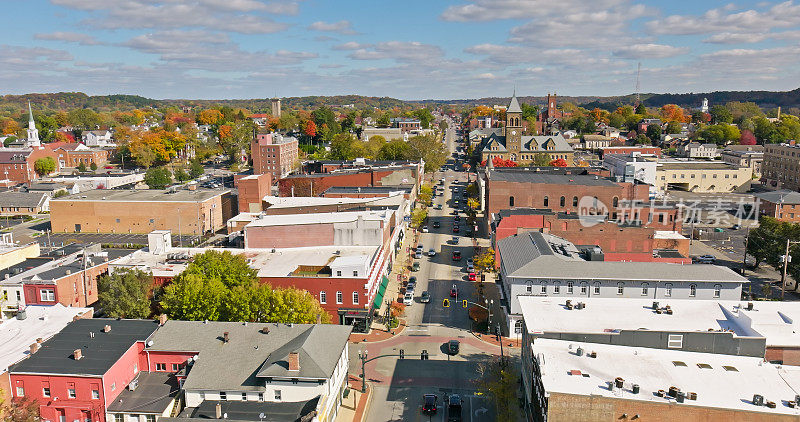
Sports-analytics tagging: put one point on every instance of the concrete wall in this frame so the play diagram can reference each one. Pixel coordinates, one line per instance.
(705, 180)
(18, 254)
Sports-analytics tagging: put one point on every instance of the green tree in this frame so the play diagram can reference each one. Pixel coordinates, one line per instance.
(429, 149)
(195, 170)
(499, 382)
(181, 175)
(81, 167)
(125, 293)
(654, 132)
(673, 127)
(44, 165)
(157, 178)
(720, 114)
(425, 117)
(418, 217)
(720, 134)
(540, 159)
(394, 150)
(641, 109)
(93, 166)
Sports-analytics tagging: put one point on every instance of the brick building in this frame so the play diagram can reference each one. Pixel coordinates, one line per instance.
(273, 153)
(781, 204)
(622, 150)
(315, 184)
(367, 192)
(781, 166)
(619, 242)
(82, 370)
(182, 211)
(17, 164)
(406, 125)
(583, 194)
(252, 189)
(23, 203)
(73, 155)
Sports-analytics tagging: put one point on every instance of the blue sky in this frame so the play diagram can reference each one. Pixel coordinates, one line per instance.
(413, 49)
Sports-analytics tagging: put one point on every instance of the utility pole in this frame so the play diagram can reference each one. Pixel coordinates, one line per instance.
(786, 259)
(746, 241)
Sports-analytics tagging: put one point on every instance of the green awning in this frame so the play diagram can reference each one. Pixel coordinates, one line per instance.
(381, 292)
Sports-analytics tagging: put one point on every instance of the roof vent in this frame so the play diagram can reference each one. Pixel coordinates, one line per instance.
(106, 328)
(226, 337)
(265, 330)
(77, 354)
(69, 272)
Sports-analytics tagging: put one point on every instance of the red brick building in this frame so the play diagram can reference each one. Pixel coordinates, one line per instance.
(79, 372)
(316, 184)
(583, 194)
(252, 189)
(17, 164)
(72, 155)
(273, 153)
(619, 242)
(783, 205)
(622, 150)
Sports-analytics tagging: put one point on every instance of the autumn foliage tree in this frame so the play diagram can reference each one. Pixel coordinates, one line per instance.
(310, 129)
(500, 162)
(747, 138)
(559, 162)
(673, 113)
(209, 117)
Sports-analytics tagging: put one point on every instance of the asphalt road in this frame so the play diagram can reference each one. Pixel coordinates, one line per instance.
(400, 383)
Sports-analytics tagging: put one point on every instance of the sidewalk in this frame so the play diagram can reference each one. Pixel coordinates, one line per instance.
(377, 333)
(354, 407)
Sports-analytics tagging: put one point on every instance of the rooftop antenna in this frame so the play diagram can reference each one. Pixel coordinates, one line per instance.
(638, 74)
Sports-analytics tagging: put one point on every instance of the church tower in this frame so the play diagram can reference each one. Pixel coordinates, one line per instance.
(33, 133)
(513, 129)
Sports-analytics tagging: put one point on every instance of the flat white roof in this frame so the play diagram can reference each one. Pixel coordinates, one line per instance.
(16, 336)
(664, 234)
(778, 322)
(319, 218)
(653, 370)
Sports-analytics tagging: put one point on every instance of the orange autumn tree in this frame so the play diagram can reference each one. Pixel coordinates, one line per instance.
(225, 132)
(673, 113)
(310, 129)
(209, 117)
(558, 163)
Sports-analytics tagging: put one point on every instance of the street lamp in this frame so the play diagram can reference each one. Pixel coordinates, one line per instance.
(786, 258)
(362, 354)
(489, 304)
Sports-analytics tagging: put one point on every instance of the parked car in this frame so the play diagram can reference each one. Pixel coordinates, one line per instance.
(432, 252)
(425, 229)
(452, 347)
(408, 299)
(470, 267)
(412, 282)
(429, 404)
(457, 218)
(472, 276)
(415, 266)
(706, 259)
(436, 225)
(454, 240)
(418, 254)
(454, 404)
(425, 297)
(454, 291)
(456, 255)
(455, 229)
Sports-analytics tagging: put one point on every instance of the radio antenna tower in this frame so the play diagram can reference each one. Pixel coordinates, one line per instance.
(638, 74)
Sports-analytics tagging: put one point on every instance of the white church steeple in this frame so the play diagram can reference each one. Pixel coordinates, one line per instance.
(33, 133)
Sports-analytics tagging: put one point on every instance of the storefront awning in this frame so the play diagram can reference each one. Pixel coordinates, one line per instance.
(381, 291)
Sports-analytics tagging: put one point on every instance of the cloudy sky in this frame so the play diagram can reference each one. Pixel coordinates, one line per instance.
(410, 49)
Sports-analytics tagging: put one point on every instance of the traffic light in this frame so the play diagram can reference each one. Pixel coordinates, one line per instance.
(497, 333)
(464, 303)
(446, 303)
(402, 354)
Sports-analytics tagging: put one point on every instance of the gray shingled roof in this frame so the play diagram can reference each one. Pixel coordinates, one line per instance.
(780, 197)
(22, 199)
(249, 353)
(513, 106)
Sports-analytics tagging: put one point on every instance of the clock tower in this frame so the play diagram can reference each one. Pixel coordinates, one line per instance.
(513, 129)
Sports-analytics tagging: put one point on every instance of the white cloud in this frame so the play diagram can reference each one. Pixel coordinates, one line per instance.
(781, 15)
(649, 51)
(82, 39)
(350, 45)
(341, 27)
(488, 10)
(486, 75)
(735, 38)
(397, 50)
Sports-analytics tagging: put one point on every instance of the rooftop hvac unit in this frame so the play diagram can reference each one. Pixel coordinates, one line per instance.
(132, 386)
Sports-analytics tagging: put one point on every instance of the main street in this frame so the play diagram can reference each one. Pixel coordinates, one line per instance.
(398, 385)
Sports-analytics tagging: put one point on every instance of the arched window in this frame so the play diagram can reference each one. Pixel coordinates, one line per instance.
(597, 287)
(557, 287)
(584, 287)
(693, 290)
(717, 290)
(645, 288)
(620, 288)
(574, 201)
(546, 201)
(563, 201)
(510, 201)
(544, 287)
(615, 202)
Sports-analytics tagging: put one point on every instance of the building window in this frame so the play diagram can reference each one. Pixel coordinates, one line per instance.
(223, 395)
(355, 298)
(615, 202)
(46, 391)
(668, 290)
(529, 287)
(570, 287)
(71, 392)
(693, 290)
(355, 273)
(150, 418)
(546, 201)
(620, 288)
(543, 287)
(557, 287)
(510, 201)
(20, 391)
(584, 287)
(597, 287)
(323, 297)
(118, 417)
(645, 288)
(562, 201)
(244, 396)
(338, 273)
(95, 394)
(260, 396)
(717, 290)
(277, 394)
(47, 295)
(574, 201)
(675, 341)
(339, 297)
(161, 366)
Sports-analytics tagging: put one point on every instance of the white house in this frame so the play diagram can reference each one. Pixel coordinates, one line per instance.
(97, 138)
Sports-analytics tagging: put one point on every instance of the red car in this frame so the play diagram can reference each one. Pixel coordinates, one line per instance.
(454, 291)
(472, 276)
(455, 229)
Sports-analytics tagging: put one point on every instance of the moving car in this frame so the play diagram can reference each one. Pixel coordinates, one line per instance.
(436, 225)
(454, 403)
(454, 240)
(408, 299)
(470, 267)
(472, 276)
(455, 229)
(454, 291)
(432, 252)
(425, 297)
(456, 255)
(429, 404)
(452, 347)
(424, 229)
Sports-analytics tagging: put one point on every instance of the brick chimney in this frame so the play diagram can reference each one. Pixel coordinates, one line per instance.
(162, 319)
(34, 348)
(294, 361)
(106, 328)
(77, 355)
(225, 337)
